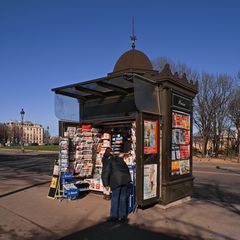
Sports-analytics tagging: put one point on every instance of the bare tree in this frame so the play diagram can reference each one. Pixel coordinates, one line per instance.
(211, 103)
(14, 134)
(221, 96)
(4, 133)
(234, 113)
(46, 136)
(179, 67)
(203, 108)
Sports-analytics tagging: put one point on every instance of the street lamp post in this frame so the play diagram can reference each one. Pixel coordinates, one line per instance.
(22, 116)
(239, 149)
(47, 135)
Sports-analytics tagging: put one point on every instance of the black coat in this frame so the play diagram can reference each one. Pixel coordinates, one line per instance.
(106, 158)
(115, 172)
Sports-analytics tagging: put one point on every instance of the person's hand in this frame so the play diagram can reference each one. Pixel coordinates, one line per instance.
(107, 188)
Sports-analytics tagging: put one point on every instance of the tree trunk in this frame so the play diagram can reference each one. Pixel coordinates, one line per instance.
(216, 146)
(238, 144)
(205, 142)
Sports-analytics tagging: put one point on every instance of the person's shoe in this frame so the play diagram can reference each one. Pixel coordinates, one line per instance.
(112, 219)
(123, 220)
(107, 197)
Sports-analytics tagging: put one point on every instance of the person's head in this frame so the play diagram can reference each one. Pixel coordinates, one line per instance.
(108, 150)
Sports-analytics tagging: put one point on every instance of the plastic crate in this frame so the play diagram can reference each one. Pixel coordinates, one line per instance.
(67, 175)
(72, 193)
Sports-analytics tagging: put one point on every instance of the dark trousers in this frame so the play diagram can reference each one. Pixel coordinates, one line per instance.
(119, 202)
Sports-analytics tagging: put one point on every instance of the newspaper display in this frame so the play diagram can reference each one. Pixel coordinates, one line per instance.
(180, 143)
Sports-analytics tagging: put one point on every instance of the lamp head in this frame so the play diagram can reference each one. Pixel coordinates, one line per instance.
(22, 112)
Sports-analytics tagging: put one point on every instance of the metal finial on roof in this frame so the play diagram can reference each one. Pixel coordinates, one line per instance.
(133, 37)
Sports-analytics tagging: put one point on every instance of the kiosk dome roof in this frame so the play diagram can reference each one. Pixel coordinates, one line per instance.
(133, 59)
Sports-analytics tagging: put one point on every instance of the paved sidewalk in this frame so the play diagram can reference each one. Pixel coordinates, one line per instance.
(26, 212)
(31, 215)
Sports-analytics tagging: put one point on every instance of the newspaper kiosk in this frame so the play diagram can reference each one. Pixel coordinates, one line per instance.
(157, 104)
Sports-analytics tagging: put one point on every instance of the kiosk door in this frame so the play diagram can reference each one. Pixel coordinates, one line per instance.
(148, 163)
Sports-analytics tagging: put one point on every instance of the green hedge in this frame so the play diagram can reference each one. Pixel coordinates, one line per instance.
(36, 148)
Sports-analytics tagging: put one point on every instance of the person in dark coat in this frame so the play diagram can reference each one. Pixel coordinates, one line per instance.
(115, 174)
(106, 158)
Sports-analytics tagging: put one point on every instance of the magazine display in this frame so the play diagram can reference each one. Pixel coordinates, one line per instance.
(180, 143)
(80, 157)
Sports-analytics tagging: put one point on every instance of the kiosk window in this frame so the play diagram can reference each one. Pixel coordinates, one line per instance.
(66, 108)
(146, 96)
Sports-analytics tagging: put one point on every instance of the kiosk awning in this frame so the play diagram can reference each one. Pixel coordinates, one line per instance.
(144, 91)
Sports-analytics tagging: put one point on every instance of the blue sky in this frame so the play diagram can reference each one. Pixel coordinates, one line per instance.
(47, 43)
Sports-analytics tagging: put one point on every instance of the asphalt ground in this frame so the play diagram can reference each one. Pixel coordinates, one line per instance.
(27, 213)
(24, 170)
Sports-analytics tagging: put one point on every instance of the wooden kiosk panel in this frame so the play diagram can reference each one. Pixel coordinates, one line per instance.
(148, 163)
(178, 180)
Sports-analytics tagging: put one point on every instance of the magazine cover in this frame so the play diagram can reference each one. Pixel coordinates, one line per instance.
(150, 181)
(150, 136)
(176, 119)
(184, 152)
(186, 121)
(178, 136)
(175, 152)
(184, 167)
(180, 120)
(186, 137)
(175, 168)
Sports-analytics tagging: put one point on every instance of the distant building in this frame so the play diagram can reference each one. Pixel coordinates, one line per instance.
(228, 140)
(32, 132)
(53, 140)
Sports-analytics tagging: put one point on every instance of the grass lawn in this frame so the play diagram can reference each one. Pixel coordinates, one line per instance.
(36, 148)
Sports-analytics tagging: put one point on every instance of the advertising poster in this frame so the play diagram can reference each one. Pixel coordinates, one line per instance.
(180, 120)
(184, 167)
(150, 181)
(180, 143)
(186, 121)
(54, 182)
(186, 137)
(184, 152)
(178, 136)
(150, 136)
(175, 168)
(176, 120)
(175, 152)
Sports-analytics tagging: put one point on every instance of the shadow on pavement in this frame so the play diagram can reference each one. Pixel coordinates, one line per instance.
(216, 195)
(228, 170)
(19, 172)
(24, 188)
(109, 231)
(24, 165)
